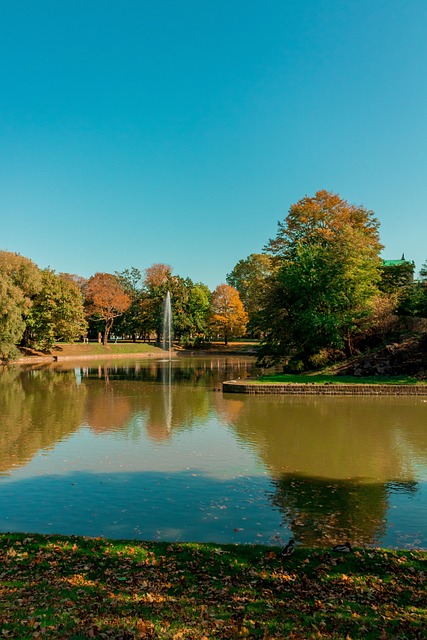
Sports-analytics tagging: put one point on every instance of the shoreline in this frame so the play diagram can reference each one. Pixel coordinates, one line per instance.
(53, 358)
(77, 588)
(324, 389)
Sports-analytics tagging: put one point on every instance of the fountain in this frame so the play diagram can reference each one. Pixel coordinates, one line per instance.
(167, 370)
(167, 324)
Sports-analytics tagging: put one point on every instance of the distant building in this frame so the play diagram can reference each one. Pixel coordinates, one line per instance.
(399, 272)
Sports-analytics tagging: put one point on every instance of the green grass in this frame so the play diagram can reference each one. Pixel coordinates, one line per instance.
(94, 348)
(320, 378)
(79, 588)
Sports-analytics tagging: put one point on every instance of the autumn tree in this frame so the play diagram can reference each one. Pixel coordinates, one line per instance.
(106, 300)
(157, 274)
(20, 281)
(57, 312)
(323, 293)
(155, 288)
(228, 317)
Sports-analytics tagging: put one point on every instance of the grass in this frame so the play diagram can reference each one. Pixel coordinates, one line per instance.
(80, 588)
(94, 348)
(320, 378)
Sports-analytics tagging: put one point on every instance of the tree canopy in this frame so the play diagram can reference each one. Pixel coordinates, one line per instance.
(249, 277)
(106, 299)
(228, 317)
(322, 294)
(20, 281)
(57, 312)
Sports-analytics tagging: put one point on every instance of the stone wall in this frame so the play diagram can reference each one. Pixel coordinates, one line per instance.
(234, 386)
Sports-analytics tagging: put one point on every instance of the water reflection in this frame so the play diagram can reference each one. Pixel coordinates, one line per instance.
(368, 438)
(250, 469)
(320, 511)
(38, 408)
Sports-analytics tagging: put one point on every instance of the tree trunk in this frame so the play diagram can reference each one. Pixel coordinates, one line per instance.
(108, 326)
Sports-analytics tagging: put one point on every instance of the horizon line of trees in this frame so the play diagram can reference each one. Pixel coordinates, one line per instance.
(39, 307)
(319, 292)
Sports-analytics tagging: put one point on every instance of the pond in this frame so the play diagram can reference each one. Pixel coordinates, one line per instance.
(154, 450)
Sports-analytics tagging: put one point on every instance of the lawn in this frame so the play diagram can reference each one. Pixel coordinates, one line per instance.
(320, 378)
(94, 348)
(81, 588)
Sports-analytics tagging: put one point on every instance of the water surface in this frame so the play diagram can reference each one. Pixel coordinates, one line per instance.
(155, 450)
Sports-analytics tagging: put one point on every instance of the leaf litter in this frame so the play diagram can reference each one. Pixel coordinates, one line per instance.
(80, 588)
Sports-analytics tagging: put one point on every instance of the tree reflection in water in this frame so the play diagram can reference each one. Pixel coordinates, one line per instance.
(328, 468)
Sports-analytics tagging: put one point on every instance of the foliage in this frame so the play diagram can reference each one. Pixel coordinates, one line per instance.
(157, 275)
(228, 317)
(323, 219)
(249, 277)
(106, 299)
(322, 378)
(131, 322)
(20, 281)
(322, 295)
(56, 314)
(81, 588)
(12, 324)
(395, 276)
(189, 302)
(413, 301)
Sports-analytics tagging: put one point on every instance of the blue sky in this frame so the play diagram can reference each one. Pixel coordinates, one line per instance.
(136, 132)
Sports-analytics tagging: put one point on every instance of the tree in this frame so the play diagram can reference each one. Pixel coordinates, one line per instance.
(57, 312)
(249, 277)
(322, 295)
(157, 274)
(20, 281)
(228, 317)
(199, 306)
(132, 320)
(395, 275)
(323, 219)
(106, 299)
(155, 288)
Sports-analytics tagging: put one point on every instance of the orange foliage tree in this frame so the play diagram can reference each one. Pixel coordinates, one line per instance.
(106, 300)
(228, 317)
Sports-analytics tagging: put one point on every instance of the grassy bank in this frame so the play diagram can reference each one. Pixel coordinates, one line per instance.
(320, 378)
(81, 588)
(96, 349)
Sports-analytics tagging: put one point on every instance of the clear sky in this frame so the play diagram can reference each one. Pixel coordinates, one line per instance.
(136, 131)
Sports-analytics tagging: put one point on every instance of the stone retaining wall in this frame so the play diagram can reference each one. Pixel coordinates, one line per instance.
(234, 386)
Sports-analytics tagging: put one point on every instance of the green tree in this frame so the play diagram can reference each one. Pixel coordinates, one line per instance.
(395, 276)
(190, 307)
(322, 295)
(199, 306)
(228, 317)
(249, 277)
(20, 281)
(57, 313)
(132, 321)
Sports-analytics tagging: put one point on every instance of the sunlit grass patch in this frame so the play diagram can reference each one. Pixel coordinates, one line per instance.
(320, 378)
(81, 588)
